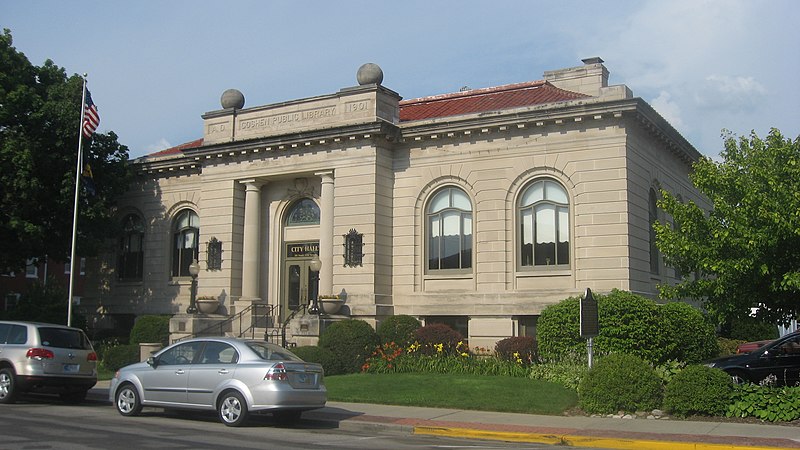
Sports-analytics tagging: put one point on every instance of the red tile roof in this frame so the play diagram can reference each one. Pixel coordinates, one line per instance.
(467, 102)
(178, 149)
(483, 100)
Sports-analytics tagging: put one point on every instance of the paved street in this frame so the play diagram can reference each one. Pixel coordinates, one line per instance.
(41, 422)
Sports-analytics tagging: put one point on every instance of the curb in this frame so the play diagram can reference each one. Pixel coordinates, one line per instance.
(568, 437)
(582, 441)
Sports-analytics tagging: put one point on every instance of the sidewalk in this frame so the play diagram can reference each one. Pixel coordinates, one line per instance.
(595, 432)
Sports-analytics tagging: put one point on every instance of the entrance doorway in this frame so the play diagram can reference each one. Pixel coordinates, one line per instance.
(300, 283)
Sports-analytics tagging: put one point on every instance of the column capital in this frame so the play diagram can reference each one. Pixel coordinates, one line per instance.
(325, 175)
(253, 182)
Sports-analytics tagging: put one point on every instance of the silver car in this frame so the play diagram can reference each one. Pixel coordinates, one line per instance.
(45, 358)
(232, 376)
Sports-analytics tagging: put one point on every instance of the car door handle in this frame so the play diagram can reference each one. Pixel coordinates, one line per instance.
(223, 371)
(179, 372)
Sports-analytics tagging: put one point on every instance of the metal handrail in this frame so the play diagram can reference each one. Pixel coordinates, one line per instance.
(219, 327)
(289, 319)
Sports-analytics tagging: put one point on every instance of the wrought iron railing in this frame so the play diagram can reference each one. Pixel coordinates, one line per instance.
(288, 319)
(262, 316)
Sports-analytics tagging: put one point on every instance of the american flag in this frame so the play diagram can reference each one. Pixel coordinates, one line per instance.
(91, 119)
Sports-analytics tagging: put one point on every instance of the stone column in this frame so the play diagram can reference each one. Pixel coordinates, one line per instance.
(251, 239)
(326, 233)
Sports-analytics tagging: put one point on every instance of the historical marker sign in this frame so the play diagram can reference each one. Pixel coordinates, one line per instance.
(590, 322)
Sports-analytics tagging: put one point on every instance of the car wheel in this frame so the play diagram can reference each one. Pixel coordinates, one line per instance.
(286, 418)
(738, 377)
(8, 390)
(232, 409)
(128, 403)
(74, 396)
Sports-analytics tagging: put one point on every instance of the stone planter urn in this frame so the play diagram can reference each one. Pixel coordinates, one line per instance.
(207, 305)
(331, 305)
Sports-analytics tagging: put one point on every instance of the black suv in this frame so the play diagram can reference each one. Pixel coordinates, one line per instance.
(778, 360)
(47, 358)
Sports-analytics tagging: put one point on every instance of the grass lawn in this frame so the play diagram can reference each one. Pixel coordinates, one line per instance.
(486, 393)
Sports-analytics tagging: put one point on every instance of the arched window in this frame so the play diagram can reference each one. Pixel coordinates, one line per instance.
(449, 219)
(186, 233)
(652, 218)
(544, 225)
(131, 249)
(303, 212)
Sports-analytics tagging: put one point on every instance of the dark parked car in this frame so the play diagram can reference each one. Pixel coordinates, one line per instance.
(748, 347)
(779, 359)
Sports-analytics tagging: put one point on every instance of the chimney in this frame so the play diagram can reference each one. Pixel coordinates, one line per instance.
(587, 79)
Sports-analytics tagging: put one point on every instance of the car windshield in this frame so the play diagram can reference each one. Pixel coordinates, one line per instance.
(64, 338)
(272, 352)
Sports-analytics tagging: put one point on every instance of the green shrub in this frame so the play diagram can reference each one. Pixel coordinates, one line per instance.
(568, 373)
(351, 341)
(150, 329)
(398, 329)
(630, 324)
(313, 353)
(438, 338)
(558, 331)
(667, 371)
(698, 390)
(728, 346)
(620, 382)
(775, 404)
(691, 337)
(749, 329)
(518, 349)
(120, 356)
(102, 346)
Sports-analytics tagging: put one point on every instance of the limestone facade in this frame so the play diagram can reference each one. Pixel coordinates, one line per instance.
(373, 166)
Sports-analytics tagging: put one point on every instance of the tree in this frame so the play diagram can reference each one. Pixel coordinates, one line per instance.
(40, 110)
(745, 252)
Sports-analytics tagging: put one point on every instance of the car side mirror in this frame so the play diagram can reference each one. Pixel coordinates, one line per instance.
(152, 362)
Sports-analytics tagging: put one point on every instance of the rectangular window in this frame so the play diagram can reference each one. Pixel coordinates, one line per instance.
(32, 269)
(11, 301)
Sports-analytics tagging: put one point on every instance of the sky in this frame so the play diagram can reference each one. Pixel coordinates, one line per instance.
(155, 66)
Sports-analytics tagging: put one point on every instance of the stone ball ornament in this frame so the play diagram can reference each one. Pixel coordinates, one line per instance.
(369, 73)
(232, 98)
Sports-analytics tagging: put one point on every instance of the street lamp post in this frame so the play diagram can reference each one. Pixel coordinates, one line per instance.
(315, 265)
(194, 269)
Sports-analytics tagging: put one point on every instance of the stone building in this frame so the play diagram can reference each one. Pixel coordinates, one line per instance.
(477, 209)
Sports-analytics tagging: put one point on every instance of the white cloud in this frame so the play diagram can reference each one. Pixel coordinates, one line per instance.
(162, 144)
(734, 94)
(668, 109)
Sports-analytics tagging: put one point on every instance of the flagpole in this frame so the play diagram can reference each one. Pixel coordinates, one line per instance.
(75, 207)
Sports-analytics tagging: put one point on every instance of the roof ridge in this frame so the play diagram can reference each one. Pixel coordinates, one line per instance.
(476, 92)
(178, 148)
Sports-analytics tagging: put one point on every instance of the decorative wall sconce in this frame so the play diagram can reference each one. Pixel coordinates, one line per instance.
(353, 248)
(214, 253)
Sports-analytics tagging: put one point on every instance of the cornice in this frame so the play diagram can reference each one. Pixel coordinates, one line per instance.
(583, 112)
(192, 160)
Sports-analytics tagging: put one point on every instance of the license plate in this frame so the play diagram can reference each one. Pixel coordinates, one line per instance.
(302, 378)
(71, 368)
